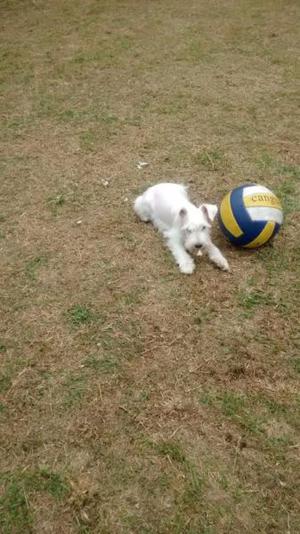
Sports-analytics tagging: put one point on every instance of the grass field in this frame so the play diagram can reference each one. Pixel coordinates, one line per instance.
(134, 399)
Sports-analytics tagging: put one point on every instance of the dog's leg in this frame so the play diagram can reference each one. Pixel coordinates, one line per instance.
(142, 208)
(216, 256)
(183, 259)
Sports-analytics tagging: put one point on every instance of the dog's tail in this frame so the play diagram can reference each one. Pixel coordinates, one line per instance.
(137, 204)
(141, 208)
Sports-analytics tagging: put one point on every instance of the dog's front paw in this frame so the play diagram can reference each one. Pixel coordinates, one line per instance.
(187, 267)
(222, 263)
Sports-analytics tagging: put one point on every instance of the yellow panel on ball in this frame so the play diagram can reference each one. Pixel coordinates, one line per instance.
(266, 200)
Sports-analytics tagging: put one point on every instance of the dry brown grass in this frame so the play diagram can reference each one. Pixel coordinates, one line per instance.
(133, 399)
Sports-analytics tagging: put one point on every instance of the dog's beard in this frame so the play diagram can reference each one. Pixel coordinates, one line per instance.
(189, 248)
(197, 248)
(192, 245)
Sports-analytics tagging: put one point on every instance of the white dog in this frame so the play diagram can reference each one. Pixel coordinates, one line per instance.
(184, 226)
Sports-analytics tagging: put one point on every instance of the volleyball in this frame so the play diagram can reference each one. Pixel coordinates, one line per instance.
(250, 215)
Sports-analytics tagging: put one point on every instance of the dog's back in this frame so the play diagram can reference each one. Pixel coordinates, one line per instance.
(165, 201)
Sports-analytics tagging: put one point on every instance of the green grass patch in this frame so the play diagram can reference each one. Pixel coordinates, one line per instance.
(59, 202)
(123, 340)
(102, 57)
(56, 202)
(132, 297)
(269, 163)
(16, 489)
(91, 138)
(204, 317)
(173, 106)
(108, 52)
(235, 407)
(193, 490)
(75, 388)
(211, 159)
(274, 259)
(249, 299)
(251, 413)
(79, 315)
(288, 190)
(197, 50)
(289, 194)
(296, 364)
(88, 140)
(195, 481)
(102, 365)
(15, 513)
(90, 114)
(45, 480)
(144, 396)
(14, 127)
(5, 381)
(9, 371)
(33, 265)
(172, 450)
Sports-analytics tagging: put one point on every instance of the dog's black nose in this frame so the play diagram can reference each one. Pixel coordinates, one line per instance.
(198, 246)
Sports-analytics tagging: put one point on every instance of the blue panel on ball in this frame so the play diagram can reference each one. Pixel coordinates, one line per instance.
(276, 229)
(250, 228)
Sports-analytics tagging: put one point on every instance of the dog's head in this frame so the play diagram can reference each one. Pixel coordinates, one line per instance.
(195, 224)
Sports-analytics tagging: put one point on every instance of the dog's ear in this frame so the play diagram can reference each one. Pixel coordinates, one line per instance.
(209, 211)
(183, 215)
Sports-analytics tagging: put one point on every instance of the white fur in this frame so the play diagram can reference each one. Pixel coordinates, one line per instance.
(184, 226)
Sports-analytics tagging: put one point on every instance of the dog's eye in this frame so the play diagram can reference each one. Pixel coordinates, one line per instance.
(188, 231)
(202, 228)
